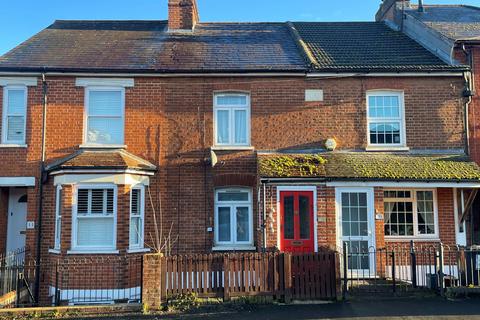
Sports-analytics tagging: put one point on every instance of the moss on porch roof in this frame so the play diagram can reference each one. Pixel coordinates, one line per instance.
(369, 166)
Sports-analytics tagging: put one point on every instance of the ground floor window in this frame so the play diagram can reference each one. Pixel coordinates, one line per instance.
(137, 200)
(233, 217)
(95, 218)
(58, 218)
(410, 213)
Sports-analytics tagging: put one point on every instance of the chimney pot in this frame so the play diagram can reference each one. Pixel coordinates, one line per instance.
(421, 8)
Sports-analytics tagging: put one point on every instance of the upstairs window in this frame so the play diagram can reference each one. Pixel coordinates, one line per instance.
(14, 115)
(410, 213)
(105, 116)
(95, 219)
(385, 119)
(232, 119)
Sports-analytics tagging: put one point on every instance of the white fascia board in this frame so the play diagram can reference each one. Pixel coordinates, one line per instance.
(18, 81)
(388, 184)
(118, 179)
(17, 181)
(105, 82)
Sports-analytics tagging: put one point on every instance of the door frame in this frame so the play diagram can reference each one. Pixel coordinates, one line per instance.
(14, 194)
(286, 188)
(371, 214)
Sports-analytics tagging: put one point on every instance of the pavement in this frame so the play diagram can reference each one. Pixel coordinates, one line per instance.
(375, 308)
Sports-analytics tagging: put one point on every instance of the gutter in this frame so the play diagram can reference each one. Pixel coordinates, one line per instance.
(359, 180)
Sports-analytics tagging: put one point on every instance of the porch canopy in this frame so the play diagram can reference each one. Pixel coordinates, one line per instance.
(101, 159)
(382, 169)
(101, 166)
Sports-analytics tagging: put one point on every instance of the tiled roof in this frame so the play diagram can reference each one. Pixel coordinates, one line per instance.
(456, 22)
(146, 46)
(365, 47)
(369, 166)
(116, 159)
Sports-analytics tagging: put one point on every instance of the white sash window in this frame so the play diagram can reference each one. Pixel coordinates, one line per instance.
(95, 219)
(14, 114)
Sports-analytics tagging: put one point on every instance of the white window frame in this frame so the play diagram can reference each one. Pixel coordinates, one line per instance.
(231, 109)
(141, 243)
(5, 115)
(416, 234)
(401, 119)
(93, 249)
(58, 218)
(233, 243)
(87, 116)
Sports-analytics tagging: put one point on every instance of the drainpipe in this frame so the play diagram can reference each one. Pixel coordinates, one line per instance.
(468, 93)
(264, 226)
(40, 187)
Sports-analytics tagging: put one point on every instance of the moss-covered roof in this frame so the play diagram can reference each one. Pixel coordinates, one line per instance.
(369, 166)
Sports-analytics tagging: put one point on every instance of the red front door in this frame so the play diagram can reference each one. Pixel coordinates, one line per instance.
(296, 221)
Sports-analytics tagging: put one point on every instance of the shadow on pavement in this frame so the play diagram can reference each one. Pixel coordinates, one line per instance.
(431, 307)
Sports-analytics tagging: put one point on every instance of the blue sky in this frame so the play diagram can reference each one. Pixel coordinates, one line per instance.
(23, 18)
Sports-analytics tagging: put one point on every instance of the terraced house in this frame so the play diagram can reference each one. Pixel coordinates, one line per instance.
(452, 32)
(120, 137)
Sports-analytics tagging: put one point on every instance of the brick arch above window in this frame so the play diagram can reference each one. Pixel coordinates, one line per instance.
(227, 180)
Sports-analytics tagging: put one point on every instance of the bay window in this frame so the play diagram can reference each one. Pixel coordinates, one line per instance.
(137, 200)
(233, 217)
(58, 218)
(232, 119)
(410, 213)
(95, 218)
(104, 116)
(14, 114)
(385, 119)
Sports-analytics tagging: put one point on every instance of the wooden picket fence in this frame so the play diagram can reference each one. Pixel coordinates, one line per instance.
(281, 276)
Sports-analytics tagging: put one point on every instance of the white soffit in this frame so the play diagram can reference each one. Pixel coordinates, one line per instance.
(125, 179)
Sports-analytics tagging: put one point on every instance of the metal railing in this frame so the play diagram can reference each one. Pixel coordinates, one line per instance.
(72, 281)
(410, 266)
(95, 280)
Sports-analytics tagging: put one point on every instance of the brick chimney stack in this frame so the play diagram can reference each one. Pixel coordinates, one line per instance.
(390, 10)
(182, 15)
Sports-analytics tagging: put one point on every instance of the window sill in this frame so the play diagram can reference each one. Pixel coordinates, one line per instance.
(138, 250)
(232, 148)
(408, 239)
(54, 251)
(234, 248)
(104, 146)
(93, 252)
(12, 145)
(387, 148)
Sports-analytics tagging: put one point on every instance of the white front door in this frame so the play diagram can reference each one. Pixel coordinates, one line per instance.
(357, 227)
(17, 219)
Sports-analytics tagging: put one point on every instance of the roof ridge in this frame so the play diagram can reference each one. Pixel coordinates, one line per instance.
(339, 22)
(106, 20)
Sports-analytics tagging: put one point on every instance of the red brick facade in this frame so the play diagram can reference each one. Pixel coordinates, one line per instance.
(169, 122)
